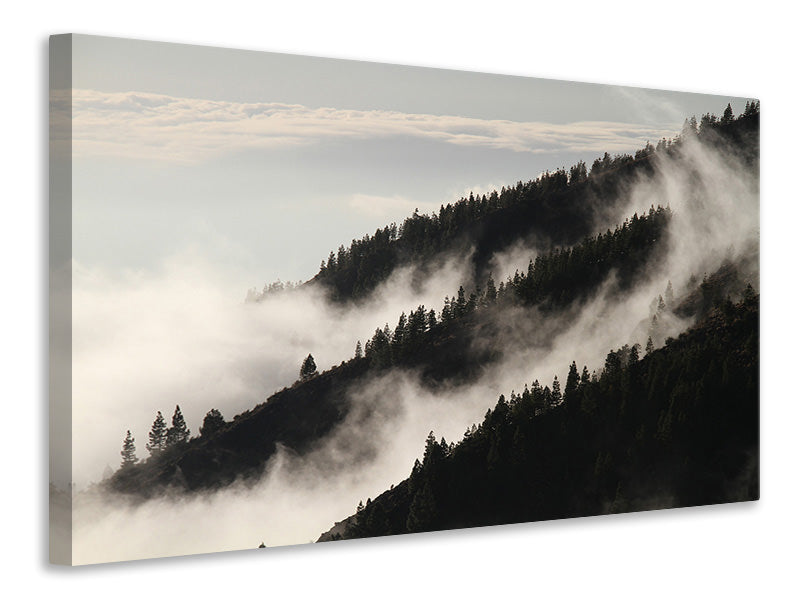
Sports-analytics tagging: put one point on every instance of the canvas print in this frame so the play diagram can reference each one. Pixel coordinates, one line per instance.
(299, 300)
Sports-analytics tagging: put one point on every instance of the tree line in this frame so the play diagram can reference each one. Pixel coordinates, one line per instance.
(162, 439)
(553, 280)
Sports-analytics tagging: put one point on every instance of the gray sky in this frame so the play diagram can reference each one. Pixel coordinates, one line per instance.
(263, 163)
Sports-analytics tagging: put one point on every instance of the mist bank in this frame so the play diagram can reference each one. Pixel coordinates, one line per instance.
(147, 341)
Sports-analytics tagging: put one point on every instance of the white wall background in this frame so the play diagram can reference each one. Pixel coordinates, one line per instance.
(716, 47)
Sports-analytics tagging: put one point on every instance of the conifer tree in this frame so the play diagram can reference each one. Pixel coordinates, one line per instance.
(359, 351)
(585, 378)
(572, 382)
(461, 302)
(648, 349)
(400, 331)
(431, 319)
(128, 451)
(727, 116)
(178, 433)
(212, 423)
(633, 357)
(555, 394)
(157, 436)
(308, 369)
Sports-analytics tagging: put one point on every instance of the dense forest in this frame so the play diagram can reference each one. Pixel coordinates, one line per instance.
(677, 427)
(673, 423)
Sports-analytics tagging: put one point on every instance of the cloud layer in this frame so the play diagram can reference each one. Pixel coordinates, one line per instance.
(154, 126)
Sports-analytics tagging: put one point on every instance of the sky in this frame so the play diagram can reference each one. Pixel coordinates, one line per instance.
(263, 163)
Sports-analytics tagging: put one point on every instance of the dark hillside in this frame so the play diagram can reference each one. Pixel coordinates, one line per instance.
(678, 427)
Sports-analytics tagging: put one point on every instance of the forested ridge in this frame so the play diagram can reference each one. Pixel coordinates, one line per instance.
(438, 344)
(558, 208)
(677, 427)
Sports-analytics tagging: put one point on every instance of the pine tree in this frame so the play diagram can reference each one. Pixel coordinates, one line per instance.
(308, 370)
(751, 108)
(648, 349)
(555, 394)
(461, 302)
(400, 332)
(585, 378)
(572, 382)
(178, 433)
(157, 436)
(212, 423)
(359, 351)
(128, 451)
(431, 319)
(634, 355)
(727, 116)
(577, 172)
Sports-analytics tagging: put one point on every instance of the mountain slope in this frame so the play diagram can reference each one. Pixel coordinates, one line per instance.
(678, 427)
(440, 346)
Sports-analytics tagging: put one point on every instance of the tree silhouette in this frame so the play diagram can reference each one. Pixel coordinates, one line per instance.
(572, 383)
(178, 433)
(212, 423)
(157, 436)
(727, 116)
(128, 451)
(555, 394)
(308, 369)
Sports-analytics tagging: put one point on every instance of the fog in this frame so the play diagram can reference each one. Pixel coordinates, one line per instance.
(147, 341)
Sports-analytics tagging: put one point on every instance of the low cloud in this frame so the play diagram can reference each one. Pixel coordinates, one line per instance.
(186, 130)
(146, 340)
